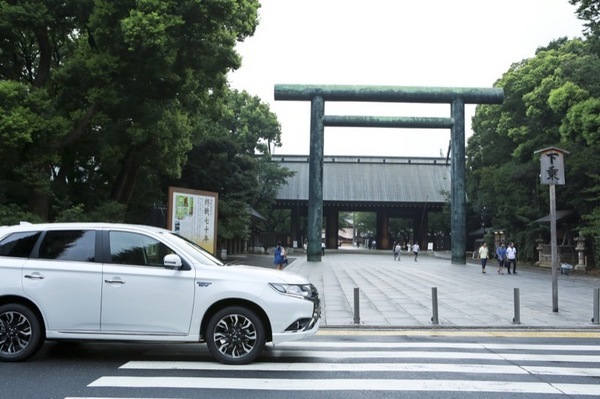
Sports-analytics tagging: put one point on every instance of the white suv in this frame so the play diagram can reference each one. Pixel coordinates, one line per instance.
(95, 281)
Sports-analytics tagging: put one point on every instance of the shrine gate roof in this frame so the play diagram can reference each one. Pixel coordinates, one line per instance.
(354, 179)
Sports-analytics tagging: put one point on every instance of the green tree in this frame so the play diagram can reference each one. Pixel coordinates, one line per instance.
(583, 117)
(550, 100)
(365, 223)
(233, 159)
(589, 11)
(400, 230)
(100, 93)
(439, 226)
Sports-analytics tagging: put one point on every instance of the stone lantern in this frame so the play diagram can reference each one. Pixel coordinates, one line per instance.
(540, 248)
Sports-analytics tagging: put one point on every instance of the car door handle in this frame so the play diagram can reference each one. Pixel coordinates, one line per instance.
(34, 276)
(114, 281)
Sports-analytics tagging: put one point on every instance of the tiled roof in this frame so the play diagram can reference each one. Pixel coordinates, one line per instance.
(370, 179)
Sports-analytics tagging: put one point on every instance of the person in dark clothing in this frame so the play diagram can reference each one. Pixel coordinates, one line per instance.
(501, 257)
(280, 256)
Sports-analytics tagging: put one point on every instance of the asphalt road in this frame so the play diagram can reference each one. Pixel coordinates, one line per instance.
(344, 364)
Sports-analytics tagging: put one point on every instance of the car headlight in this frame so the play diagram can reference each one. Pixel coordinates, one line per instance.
(300, 290)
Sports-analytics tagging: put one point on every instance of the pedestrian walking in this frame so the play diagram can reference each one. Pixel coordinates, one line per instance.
(397, 251)
(484, 254)
(501, 256)
(511, 258)
(416, 250)
(280, 256)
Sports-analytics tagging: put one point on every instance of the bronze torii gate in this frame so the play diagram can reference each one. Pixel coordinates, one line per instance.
(456, 97)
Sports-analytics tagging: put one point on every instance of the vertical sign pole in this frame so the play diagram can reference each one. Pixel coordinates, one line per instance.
(554, 249)
(552, 173)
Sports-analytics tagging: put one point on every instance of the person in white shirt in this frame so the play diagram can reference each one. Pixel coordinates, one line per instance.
(397, 251)
(416, 250)
(511, 258)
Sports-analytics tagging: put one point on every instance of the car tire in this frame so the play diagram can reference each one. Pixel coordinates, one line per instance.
(20, 333)
(235, 335)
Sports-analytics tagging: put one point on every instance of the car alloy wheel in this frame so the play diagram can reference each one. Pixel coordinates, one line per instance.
(20, 333)
(235, 335)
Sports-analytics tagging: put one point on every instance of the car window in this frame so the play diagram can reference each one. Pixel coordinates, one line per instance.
(72, 245)
(19, 245)
(136, 249)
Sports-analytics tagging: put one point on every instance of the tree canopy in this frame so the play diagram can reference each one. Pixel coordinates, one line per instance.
(100, 101)
(104, 104)
(550, 100)
(234, 160)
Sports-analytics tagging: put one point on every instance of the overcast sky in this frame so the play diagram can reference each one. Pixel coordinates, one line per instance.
(438, 43)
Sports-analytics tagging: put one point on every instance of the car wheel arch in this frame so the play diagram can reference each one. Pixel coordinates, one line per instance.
(217, 306)
(13, 299)
(24, 320)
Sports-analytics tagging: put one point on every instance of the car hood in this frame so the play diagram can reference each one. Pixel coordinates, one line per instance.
(269, 275)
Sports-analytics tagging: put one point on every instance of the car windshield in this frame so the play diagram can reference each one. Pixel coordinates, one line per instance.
(205, 257)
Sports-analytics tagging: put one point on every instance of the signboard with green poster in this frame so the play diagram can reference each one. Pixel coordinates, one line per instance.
(193, 215)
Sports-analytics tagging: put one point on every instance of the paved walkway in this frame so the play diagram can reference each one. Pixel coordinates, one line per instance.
(399, 293)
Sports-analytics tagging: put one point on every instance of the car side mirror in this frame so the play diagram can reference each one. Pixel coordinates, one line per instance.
(172, 261)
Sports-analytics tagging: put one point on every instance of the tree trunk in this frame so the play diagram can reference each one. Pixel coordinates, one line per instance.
(123, 188)
(39, 204)
(45, 57)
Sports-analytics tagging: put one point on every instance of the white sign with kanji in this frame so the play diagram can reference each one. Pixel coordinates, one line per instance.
(552, 167)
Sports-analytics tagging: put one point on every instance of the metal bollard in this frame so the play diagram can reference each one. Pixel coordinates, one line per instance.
(517, 318)
(596, 317)
(434, 300)
(356, 307)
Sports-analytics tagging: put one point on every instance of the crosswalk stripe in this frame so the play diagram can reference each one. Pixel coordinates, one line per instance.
(435, 355)
(346, 385)
(454, 345)
(511, 333)
(367, 367)
(571, 371)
